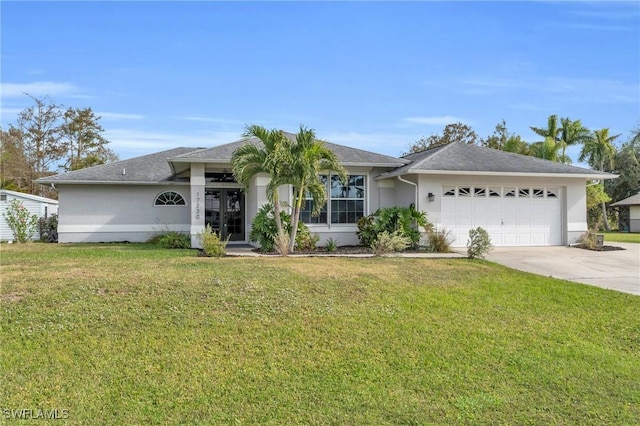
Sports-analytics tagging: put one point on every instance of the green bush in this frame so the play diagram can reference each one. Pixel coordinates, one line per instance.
(211, 244)
(264, 230)
(48, 228)
(390, 242)
(22, 223)
(479, 243)
(406, 220)
(174, 240)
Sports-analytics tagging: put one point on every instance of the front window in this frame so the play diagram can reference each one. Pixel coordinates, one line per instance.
(345, 202)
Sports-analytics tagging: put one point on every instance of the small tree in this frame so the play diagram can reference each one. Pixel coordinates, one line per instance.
(22, 223)
(479, 243)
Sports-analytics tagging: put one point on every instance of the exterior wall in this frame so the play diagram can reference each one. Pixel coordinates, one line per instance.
(574, 220)
(109, 213)
(33, 206)
(634, 218)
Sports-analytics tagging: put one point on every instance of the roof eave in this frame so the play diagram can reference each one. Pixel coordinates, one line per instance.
(107, 182)
(489, 173)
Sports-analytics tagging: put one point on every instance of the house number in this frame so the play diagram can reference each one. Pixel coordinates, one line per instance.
(197, 204)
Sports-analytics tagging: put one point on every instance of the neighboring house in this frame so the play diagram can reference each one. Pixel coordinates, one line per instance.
(40, 206)
(520, 200)
(632, 222)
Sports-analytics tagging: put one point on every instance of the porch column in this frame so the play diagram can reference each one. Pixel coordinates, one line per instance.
(197, 202)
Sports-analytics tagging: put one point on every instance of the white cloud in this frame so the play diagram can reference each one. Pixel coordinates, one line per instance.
(119, 116)
(435, 121)
(38, 88)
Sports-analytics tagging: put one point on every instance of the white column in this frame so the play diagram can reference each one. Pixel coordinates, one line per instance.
(197, 202)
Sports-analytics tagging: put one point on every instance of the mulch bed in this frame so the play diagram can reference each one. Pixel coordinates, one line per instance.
(603, 248)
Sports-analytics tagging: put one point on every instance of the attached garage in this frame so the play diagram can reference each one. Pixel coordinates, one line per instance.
(512, 215)
(519, 200)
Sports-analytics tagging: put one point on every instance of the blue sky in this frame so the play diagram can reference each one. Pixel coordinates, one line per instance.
(373, 75)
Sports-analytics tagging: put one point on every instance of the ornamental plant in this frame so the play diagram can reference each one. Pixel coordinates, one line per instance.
(22, 223)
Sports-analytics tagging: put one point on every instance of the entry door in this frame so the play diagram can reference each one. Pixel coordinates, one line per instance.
(224, 211)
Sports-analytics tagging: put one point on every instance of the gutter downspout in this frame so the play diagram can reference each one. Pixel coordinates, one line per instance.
(415, 185)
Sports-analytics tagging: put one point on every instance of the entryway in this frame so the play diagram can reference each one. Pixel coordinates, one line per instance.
(224, 211)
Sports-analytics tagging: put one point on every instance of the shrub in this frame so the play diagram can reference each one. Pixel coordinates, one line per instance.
(22, 223)
(265, 232)
(48, 228)
(173, 240)
(331, 245)
(305, 240)
(389, 242)
(211, 243)
(406, 220)
(439, 241)
(479, 243)
(588, 240)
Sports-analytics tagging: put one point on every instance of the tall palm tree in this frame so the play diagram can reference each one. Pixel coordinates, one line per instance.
(551, 131)
(599, 150)
(549, 147)
(311, 157)
(571, 133)
(273, 157)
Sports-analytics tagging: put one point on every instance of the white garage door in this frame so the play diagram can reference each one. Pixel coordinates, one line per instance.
(513, 216)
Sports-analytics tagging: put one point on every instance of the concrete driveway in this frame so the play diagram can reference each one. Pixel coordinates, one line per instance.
(617, 270)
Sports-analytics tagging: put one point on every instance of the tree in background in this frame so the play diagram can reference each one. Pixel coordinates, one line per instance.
(503, 140)
(39, 129)
(14, 169)
(571, 133)
(455, 132)
(44, 139)
(626, 165)
(84, 142)
(599, 151)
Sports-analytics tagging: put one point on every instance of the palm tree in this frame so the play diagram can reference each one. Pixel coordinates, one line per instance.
(549, 147)
(552, 130)
(311, 157)
(273, 157)
(571, 133)
(598, 150)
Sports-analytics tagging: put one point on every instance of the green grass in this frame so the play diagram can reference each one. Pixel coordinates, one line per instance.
(621, 237)
(131, 334)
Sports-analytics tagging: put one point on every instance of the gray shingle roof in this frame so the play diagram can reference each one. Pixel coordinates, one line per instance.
(460, 157)
(152, 168)
(634, 200)
(346, 155)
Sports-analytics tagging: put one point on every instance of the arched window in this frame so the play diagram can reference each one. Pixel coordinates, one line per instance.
(170, 198)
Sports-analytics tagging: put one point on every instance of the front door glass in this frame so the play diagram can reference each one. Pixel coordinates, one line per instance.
(224, 211)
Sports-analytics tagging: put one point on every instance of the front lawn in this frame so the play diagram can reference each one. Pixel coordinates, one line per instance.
(131, 334)
(621, 237)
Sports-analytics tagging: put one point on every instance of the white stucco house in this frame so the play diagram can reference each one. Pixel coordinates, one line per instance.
(520, 200)
(40, 206)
